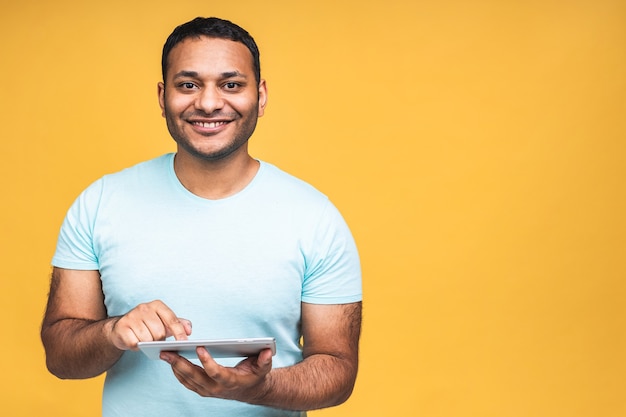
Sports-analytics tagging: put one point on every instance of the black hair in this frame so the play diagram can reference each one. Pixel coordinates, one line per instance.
(212, 27)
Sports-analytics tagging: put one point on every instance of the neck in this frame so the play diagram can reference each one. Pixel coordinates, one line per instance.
(214, 180)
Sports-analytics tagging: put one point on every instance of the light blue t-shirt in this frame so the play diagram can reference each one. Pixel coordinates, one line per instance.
(238, 267)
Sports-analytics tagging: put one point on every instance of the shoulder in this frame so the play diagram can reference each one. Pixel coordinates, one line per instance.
(144, 170)
(127, 182)
(139, 178)
(285, 185)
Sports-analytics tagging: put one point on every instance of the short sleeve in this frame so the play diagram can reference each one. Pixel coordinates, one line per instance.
(333, 270)
(75, 249)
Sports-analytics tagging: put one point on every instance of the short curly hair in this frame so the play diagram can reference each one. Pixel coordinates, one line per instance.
(211, 27)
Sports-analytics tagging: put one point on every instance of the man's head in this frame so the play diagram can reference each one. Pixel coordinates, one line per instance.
(211, 27)
(211, 95)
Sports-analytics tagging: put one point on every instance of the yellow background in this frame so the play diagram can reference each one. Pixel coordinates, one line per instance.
(476, 148)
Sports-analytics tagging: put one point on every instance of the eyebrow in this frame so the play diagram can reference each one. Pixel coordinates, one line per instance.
(194, 74)
(185, 74)
(232, 74)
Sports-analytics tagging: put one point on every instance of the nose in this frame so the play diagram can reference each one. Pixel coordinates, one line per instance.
(209, 100)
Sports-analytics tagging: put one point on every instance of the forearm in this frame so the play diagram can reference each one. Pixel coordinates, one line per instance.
(317, 382)
(79, 348)
(324, 378)
(327, 374)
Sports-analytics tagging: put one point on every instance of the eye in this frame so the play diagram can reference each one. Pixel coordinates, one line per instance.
(231, 85)
(186, 86)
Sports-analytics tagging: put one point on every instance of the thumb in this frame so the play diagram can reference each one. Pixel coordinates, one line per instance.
(265, 359)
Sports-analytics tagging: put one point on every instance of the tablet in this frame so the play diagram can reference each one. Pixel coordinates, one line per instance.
(218, 348)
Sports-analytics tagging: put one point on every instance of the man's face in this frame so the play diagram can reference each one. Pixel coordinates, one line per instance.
(210, 99)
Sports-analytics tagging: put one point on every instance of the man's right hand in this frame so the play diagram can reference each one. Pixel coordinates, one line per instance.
(145, 323)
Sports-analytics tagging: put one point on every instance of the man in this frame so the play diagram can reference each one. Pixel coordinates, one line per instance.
(213, 237)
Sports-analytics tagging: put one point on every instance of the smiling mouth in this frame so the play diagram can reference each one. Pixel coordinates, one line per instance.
(209, 125)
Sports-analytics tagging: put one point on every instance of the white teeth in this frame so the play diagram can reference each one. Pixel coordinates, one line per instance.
(209, 125)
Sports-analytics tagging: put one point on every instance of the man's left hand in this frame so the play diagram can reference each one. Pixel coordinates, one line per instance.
(244, 382)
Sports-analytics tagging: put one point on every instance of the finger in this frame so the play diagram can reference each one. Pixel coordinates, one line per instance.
(134, 328)
(143, 333)
(265, 360)
(174, 326)
(187, 324)
(187, 373)
(145, 322)
(151, 328)
(211, 368)
(122, 335)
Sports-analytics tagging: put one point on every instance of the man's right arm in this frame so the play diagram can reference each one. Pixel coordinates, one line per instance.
(79, 338)
(75, 326)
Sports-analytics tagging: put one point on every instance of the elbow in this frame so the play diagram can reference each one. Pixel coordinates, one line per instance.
(343, 396)
(54, 365)
(55, 370)
(343, 393)
(51, 363)
(344, 385)
(60, 364)
(58, 369)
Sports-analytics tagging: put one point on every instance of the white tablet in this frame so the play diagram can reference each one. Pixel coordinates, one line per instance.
(218, 348)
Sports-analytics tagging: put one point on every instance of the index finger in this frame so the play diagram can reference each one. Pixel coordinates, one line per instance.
(174, 326)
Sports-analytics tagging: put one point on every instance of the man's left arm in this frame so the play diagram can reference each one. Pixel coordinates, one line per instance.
(324, 378)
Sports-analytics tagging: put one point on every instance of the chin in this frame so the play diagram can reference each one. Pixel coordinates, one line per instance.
(209, 154)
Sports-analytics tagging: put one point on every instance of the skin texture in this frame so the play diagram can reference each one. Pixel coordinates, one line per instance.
(81, 341)
(211, 102)
(211, 81)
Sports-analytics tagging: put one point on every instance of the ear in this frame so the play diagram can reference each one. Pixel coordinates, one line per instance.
(262, 97)
(161, 93)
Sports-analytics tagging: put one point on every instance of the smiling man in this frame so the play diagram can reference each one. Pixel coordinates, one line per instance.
(212, 237)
